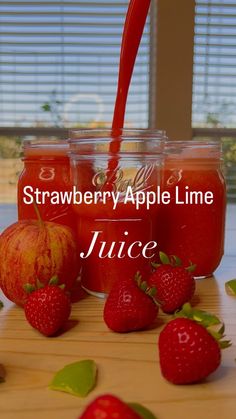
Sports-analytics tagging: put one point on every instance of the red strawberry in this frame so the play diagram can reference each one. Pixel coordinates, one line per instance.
(108, 407)
(47, 309)
(174, 285)
(130, 306)
(188, 352)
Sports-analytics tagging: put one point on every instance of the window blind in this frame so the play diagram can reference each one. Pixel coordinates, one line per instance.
(214, 84)
(59, 63)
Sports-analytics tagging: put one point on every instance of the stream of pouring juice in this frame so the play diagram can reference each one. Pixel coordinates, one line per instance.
(99, 274)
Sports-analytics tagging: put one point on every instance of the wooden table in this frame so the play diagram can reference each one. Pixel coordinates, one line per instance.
(128, 363)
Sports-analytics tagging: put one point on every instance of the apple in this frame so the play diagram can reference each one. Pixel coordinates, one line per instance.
(32, 250)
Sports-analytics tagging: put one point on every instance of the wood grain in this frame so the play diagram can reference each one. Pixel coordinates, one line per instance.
(128, 363)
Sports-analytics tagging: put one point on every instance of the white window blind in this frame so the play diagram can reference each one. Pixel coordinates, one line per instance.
(214, 85)
(59, 63)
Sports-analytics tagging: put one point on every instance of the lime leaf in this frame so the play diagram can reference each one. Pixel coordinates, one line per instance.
(1, 305)
(78, 378)
(2, 374)
(230, 287)
(142, 411)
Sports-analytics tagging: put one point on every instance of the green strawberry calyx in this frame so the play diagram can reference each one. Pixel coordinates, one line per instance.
(143, 286)
(29, 288)
(173, 261)
(206, 320)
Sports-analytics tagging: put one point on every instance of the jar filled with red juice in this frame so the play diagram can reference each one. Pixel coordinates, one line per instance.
(193, 223)
(116, 236)
(46, 170)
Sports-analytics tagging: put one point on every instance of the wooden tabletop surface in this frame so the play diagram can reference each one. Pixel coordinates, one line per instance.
(128, 364)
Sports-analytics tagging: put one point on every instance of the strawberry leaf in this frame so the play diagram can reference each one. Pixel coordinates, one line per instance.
(29, 288)
(1, 305)
(165, 260)
(142, 411)
(191, 268)
(175, 260)
(155, 265)
(200, 316)
(54, 280)
(78, 378)
(224, 344)
(230, 287)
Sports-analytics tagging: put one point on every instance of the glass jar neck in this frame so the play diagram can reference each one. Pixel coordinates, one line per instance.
(193, 154)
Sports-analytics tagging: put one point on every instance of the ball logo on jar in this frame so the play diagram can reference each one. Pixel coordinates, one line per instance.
(120, 179)
(47, 173)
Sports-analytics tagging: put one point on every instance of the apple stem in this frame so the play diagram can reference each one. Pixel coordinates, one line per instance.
(41, 223)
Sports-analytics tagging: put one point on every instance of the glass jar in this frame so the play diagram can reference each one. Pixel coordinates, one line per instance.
(46, 170)
(112, 231)
(193, 223)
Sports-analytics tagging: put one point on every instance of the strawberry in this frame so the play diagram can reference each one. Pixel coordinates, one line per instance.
(47, 309)
(108, 407)
(189, 352)
(130, 306)
(174, 284)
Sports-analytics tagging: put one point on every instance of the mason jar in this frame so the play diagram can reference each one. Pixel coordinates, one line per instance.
(193, 223)
(115, 235)
(46, 170)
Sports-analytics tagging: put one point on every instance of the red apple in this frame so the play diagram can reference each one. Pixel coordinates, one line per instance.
(31, 250)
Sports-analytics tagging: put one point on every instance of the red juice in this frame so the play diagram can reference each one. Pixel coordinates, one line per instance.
(194, 231)
(46, 168)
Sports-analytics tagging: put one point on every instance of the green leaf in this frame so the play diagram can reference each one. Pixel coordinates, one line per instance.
(54, 280)
(1, 305)
(78, 378)
(230, 287)
(138, 278)
(46, 107)
(152, 291)
(155, 265)
(29, 288)
(164, 258)
(143, 286)
(224, 344)
(177, 260)
(191, 268)
(206, 319)
(142, 411)
(200, 316)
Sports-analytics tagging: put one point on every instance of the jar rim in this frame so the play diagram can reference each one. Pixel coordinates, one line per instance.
(106, 135)
(190, 143)
(45, 144)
